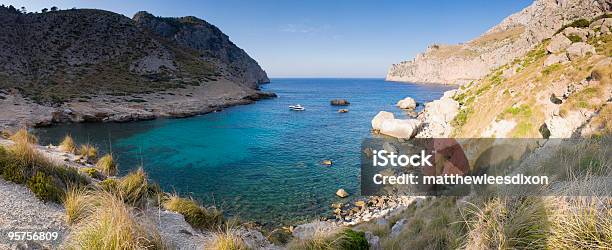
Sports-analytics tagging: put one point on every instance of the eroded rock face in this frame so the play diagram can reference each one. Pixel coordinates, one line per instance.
(577, 50)
(208, 40)
(564, 127)
(512, 38)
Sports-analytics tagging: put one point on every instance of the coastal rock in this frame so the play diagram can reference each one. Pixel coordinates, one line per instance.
(555, 58)
(407, 103)
(558, 43)
(339, 102)
(343, 110)
(510, 39)
(342, 193)
(397, 228)
(317, 228)
(400, 128)
(380, 117)
(327, 162)
(436, 117)
(578, 50)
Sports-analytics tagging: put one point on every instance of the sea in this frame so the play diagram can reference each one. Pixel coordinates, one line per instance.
(258, 162)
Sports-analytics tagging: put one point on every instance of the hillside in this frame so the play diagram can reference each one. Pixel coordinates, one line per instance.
(85, 64)
(512, 38)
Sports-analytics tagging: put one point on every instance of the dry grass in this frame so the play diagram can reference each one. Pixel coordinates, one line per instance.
(88, 151)
(79, 203)
(229, 239)
(196, 215)
(111, 225)
(23, 135)
(133, 188)
(67, 145)
(107, 165)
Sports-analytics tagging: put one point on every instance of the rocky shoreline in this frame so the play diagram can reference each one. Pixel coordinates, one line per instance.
(178, 103)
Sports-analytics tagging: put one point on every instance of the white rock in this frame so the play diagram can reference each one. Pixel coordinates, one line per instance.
(606, 26)
(373, 240)
(564, 127)
(309, 230)
(342, 193)
(397, 228)
(380, 117)
(552, 59)
(400, 128)
(407, 103)
(558, 43)
(577, 50)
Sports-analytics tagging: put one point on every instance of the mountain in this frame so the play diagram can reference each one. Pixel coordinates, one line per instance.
(87, 64)
(512, 38)
(210, 41)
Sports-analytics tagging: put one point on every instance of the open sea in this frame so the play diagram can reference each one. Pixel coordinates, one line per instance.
(259, 162)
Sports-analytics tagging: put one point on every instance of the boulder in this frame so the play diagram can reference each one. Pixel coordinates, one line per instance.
(380, 117)
(397, 228)
(582, 33)
(317, 228)
(564, 127)
(577, 50)
(558, 43)
(342, 193)
(327, 162)
(340, 102)
(400, 128)
(555, 58)
(407, 103)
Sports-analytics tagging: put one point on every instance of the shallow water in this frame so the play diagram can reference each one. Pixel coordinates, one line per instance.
(261, 161)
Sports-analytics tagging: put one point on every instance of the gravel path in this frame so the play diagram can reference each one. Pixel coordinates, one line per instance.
(20, 210)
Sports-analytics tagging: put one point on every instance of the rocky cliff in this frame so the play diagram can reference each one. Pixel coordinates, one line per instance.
(512, 38)
(213, 45)
(96, 65)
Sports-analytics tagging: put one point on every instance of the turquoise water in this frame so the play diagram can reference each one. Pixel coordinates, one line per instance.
(261, 161)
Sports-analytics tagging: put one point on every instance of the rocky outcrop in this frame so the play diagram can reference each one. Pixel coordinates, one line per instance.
(407, 103)
(437, 116)
(512, 38)
(578, 50)
(214, 45)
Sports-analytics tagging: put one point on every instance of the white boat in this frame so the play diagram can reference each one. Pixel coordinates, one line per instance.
(297, 107)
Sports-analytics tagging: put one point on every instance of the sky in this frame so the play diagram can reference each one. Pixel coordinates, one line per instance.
(324, 38)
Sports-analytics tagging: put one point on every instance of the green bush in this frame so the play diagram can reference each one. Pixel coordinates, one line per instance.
(13, 172)
(44, 188)
(350, 240)
(574, 38)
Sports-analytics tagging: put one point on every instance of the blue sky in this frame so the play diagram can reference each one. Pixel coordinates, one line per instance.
(318, 38)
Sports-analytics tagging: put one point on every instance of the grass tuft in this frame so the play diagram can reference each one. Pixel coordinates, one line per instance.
(227, 240)
(88, 151)
(67, 145)
(22, 135)
(107, 165)
(196, 215)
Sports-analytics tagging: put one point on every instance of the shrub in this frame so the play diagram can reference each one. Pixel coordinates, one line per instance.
(88, 151)
(461, 117)
(580, 23)
(91, 172)
(350, 239)
(113, 225)
(574, 38)
(227, 240)
(107, 165)
(44, 188)
(133, 188)
(109, 185)
(78, 203)
(67, 145)
(23, 135)
(196, 215)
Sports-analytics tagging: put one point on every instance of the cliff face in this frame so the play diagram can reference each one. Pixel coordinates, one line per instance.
(61, 56)
(213, 45)
(512, 38)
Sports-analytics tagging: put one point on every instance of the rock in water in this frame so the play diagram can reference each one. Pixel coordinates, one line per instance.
(342, 193)
(327, 162)
(400, 128)
(380, 117)
(343, 110)
(340, 102)
(407, 103)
